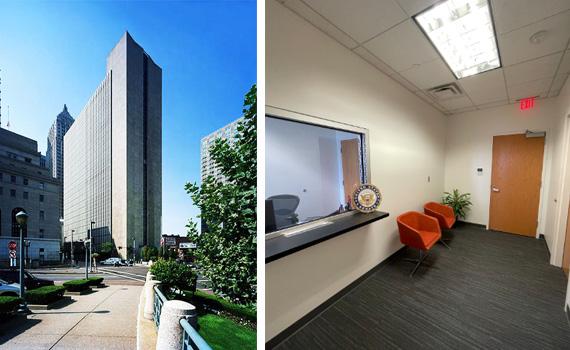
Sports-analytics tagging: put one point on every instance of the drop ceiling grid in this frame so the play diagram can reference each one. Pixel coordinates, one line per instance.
(359, 38)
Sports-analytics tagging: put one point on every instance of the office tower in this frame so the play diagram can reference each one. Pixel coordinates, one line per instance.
(228, 132)
(113, 158)
(27, 185)
(54, 153)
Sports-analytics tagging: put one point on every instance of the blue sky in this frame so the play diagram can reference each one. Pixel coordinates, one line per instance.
(55, 53)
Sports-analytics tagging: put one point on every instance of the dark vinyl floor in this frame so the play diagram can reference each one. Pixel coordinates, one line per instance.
(490, 291)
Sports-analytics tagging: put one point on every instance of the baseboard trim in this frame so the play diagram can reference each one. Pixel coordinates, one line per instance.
(567, 310)
(472, 224)
(300, 323)
(541, 237)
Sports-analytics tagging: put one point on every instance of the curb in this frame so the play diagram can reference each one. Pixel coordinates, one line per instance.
(146, 330)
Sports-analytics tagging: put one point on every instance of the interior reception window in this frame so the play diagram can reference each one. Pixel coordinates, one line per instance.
(311, 171)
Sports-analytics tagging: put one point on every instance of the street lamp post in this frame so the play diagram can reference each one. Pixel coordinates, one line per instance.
(62, 250)
(22, 219)
(90, 245)
(72, 261)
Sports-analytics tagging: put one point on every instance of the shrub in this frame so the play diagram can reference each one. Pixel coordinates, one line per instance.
(77, 285)
(217, 303)
(94, 281)
(9, 304)
(174, 275)
(45, 295)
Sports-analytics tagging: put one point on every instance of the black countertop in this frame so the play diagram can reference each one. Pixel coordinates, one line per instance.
(281, 246)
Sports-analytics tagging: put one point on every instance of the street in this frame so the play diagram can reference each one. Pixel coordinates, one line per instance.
(124, 275)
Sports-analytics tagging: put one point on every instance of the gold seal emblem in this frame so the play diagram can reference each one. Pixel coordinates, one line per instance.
(366, 198)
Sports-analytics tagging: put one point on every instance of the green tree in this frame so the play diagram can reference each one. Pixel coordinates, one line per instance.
(149, 252)
(227, 251)
(107, 249)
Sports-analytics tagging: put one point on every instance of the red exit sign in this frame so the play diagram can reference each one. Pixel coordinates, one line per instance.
(527, 103)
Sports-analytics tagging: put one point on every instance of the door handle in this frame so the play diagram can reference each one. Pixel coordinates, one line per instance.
(495, 189)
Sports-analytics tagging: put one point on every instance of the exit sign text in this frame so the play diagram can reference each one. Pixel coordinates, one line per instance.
(527, 103)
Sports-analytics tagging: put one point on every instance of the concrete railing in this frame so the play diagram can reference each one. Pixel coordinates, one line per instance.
(175, 320)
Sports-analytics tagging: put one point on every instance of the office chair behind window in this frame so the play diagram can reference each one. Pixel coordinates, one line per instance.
(284, 206)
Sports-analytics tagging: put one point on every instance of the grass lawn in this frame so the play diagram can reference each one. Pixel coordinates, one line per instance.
(224, 334)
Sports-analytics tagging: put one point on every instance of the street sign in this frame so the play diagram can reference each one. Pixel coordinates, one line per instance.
(187, 245)
(12, 254)
(12, 245)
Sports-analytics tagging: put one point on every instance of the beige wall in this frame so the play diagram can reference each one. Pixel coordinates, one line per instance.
(308, 72)
(470, 145)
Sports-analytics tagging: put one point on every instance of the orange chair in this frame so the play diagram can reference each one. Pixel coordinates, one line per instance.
(418, 231)
(444, 215)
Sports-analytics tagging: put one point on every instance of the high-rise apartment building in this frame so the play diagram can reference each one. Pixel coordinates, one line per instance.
(26, 184)
(54, 153)
(208, 167)
(113, 157)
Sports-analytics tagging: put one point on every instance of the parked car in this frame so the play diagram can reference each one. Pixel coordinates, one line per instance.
(30, 281)
(112, 261)
(129, 262)
(9, 289)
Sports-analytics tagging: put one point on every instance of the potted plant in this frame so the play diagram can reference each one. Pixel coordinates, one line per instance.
(459, 202)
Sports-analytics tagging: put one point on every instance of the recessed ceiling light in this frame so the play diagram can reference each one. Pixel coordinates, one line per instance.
(463, 33)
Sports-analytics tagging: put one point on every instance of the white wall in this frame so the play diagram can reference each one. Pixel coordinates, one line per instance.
(308, 72)
(470, 146)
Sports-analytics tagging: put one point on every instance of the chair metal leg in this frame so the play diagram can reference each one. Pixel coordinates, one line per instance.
(442, 241)
(417, 261)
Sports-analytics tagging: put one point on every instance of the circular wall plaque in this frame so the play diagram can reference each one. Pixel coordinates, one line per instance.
(367, 198)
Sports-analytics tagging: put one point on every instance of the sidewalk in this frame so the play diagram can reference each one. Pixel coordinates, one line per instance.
(104, 319)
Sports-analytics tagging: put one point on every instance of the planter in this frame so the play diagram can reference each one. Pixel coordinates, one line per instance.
(54, 305)
(81, 292)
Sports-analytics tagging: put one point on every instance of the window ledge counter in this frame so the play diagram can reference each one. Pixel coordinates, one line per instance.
(283, 245)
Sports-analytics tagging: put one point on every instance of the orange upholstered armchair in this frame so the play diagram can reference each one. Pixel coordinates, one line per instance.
(443, 213)
(418, 231)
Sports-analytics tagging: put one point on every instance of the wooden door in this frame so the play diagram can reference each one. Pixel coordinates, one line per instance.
(566, 256)
(515, 184)
(350, 151)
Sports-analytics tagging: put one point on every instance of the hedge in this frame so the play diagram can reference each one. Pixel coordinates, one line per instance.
(94, 281)
(77, 285)
(45, 295)
(215, 302)
(9, 304)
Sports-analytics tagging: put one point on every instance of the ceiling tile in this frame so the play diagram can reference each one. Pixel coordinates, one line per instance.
(456, 103)
(534, 88)
(485, 87)
(373, 60)
(565, 65)
(413, 7)
(361, 19)
(430, 74)
(539, 68)
(300, 8)
(402, 47)
(510, 15)
(493, 104)
(462, 110)
(408, 85)
(516, 47)
(558, 83)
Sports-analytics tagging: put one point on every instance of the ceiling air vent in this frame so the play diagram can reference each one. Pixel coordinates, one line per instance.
(445, 92)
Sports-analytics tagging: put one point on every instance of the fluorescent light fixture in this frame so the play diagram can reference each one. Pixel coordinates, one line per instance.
(463, 33)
